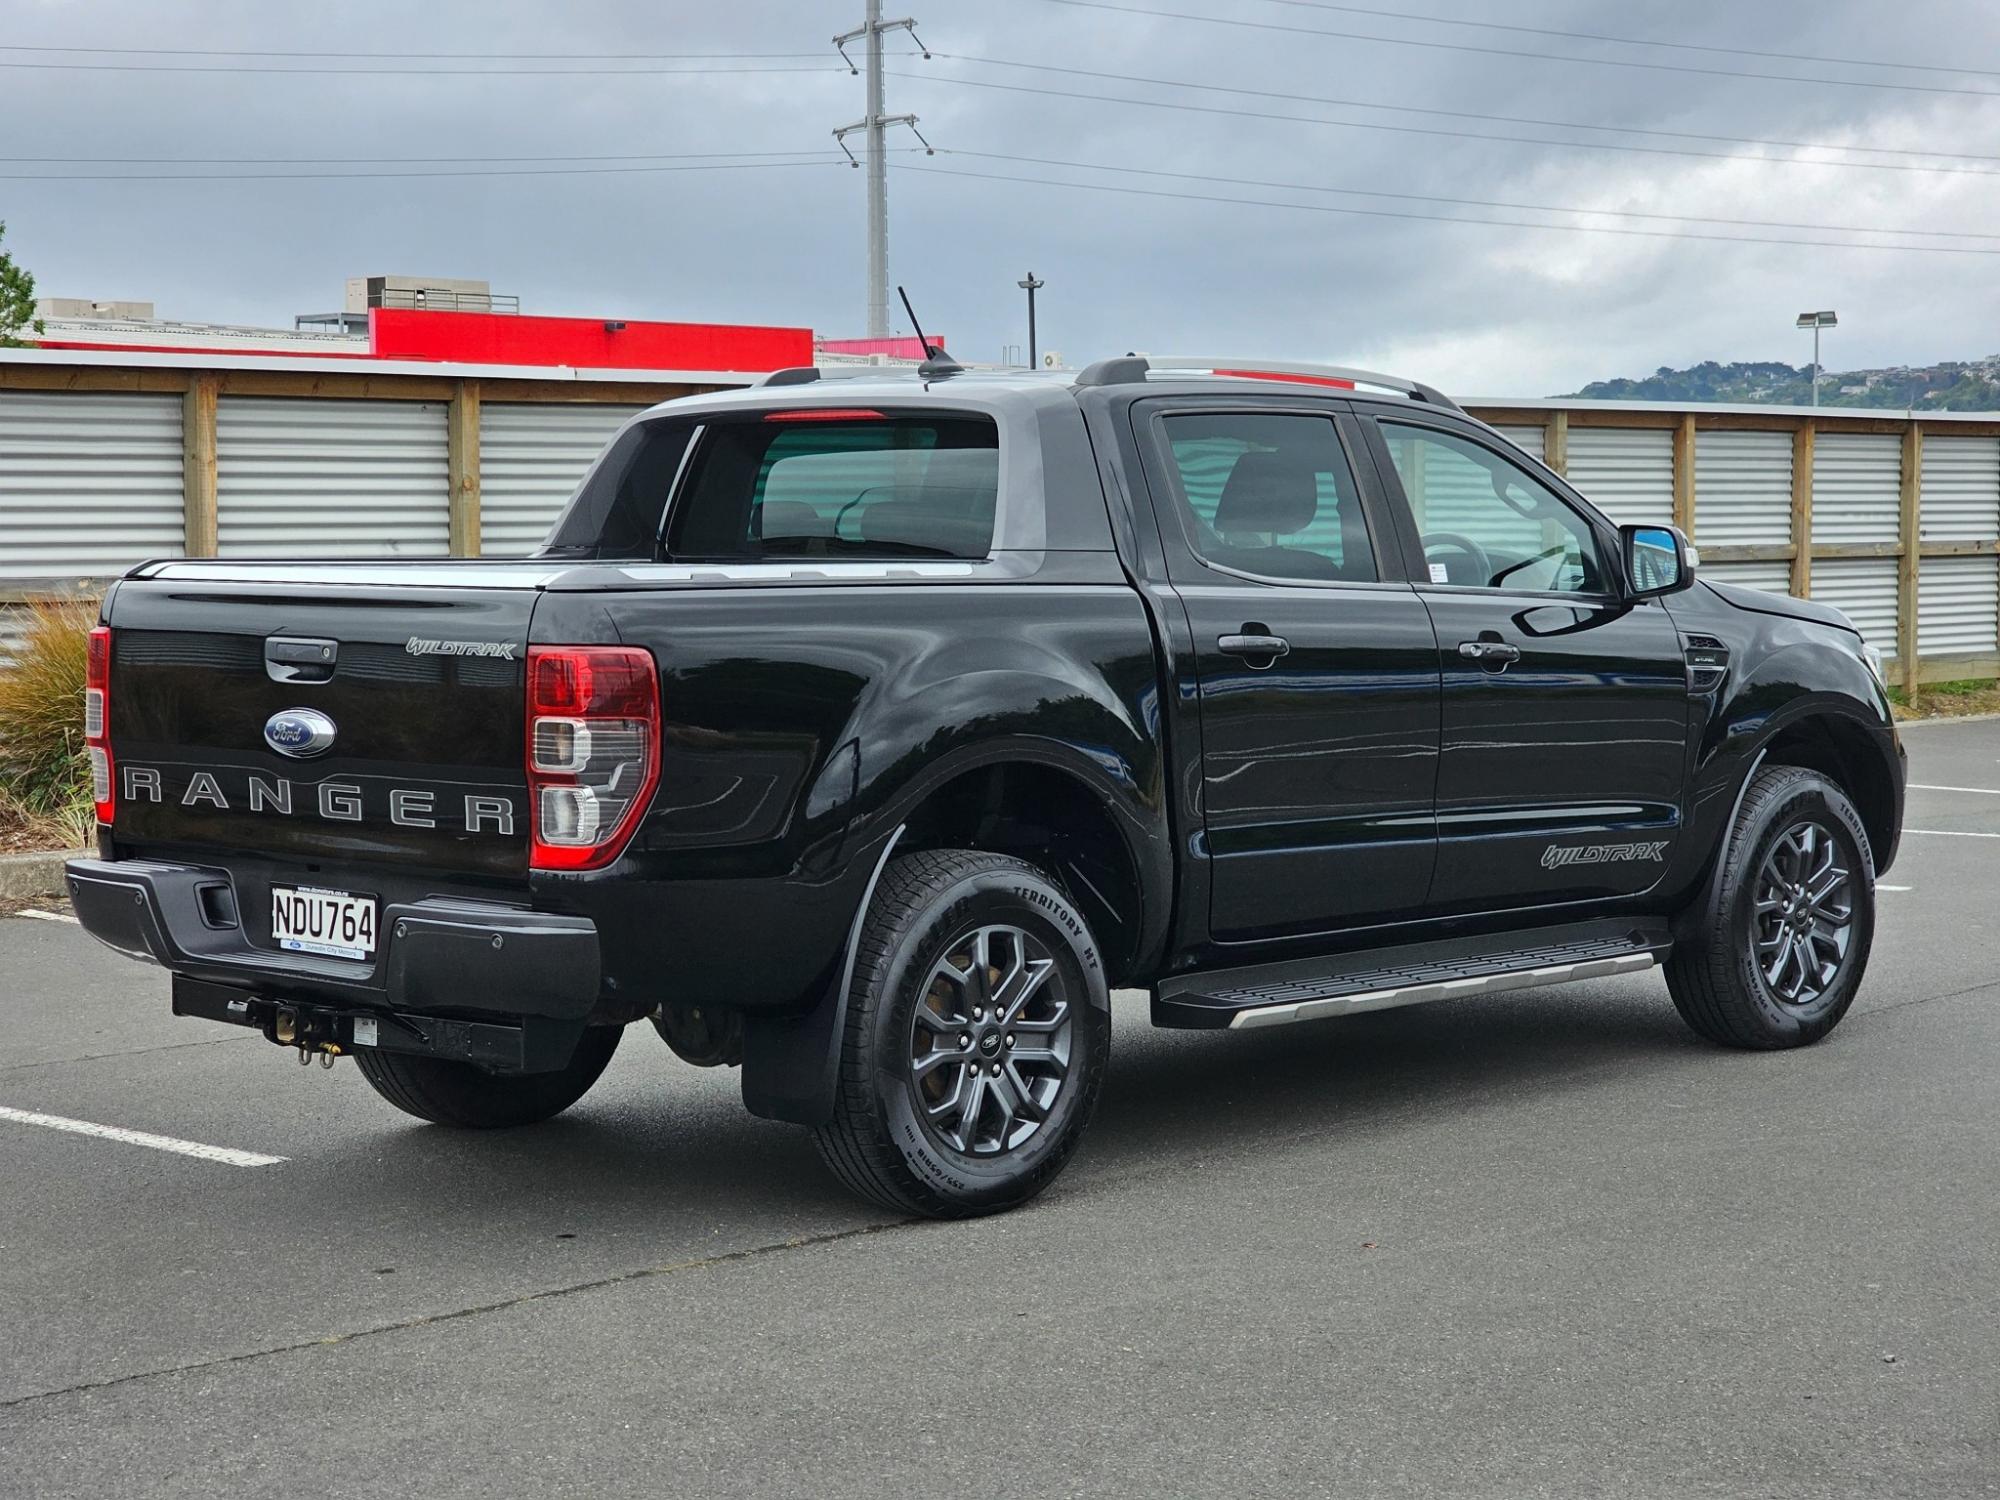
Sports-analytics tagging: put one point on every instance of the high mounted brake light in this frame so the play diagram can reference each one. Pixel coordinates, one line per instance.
(825, 414)
(593, 752)
(97, 722)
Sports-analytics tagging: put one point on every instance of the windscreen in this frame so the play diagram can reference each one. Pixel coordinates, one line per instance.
(861, 485)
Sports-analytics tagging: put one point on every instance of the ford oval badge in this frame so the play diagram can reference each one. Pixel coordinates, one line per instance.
(299, 732)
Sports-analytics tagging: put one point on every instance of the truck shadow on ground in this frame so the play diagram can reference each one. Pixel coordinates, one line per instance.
(682, 1142)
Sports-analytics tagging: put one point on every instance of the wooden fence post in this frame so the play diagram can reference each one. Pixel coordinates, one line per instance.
(1684, 475)
(1555, 443)
(1802, 505)
(1909, 560)
(198, 471)
(462, 458)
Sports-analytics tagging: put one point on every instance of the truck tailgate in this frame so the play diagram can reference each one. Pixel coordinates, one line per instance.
(334, 718)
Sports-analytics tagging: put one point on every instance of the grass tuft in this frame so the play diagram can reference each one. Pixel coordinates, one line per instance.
(44, 772)
(1948, 700)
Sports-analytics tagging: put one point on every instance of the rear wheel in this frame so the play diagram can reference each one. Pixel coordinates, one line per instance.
(1775, 957)
(456, 1093)
(978, 1026)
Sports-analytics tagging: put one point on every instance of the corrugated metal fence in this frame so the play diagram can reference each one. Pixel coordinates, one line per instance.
(1895, 521)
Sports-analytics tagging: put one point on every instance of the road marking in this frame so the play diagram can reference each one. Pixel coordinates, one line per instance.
(1984, 791)
(225, 1154)
(1894, 888)
(49, 916)
(1951, 833)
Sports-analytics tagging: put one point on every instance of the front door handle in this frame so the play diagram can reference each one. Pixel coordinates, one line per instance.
(1497, 653)
(1252, 648)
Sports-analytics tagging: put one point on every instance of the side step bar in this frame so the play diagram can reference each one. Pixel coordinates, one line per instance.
(1384, 978)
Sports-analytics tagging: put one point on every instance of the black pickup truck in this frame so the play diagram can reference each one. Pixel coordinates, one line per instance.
(868, 732)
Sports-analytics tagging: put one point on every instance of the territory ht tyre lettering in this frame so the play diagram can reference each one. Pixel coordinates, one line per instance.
(1774, 957)
(456, 1093)
(978, 1026)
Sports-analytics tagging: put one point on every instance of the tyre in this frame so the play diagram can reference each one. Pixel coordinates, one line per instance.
(1773, 955)
(978, 1027)
(456, 1093)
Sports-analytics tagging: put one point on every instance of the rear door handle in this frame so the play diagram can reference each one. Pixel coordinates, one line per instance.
(1249, 646)
(1489, 651)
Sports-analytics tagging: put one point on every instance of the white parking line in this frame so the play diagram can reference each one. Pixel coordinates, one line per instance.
(225, 1154)
(1895, 888)
(1984, 791)
(50, 916)
(1951, 833)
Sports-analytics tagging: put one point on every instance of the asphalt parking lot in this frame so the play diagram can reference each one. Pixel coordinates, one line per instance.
(1545, 1243)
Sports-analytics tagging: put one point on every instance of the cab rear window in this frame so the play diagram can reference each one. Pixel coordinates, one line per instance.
(788, 485)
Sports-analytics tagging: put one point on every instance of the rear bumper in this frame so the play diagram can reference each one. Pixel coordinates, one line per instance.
(440, 956)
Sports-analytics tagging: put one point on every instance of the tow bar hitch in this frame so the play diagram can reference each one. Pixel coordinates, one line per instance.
(312, 1032)
(530, 1045)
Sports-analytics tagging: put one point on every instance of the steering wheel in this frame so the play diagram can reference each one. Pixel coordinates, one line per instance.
(1453, 541)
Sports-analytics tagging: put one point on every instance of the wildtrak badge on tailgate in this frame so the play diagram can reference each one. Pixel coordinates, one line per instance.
(415, 646)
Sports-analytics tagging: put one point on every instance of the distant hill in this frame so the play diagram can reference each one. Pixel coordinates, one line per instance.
(1950, 385)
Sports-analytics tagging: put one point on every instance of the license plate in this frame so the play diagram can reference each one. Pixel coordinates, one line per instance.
(306, 919)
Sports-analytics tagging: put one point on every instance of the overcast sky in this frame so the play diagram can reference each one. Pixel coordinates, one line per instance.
(1481, 309)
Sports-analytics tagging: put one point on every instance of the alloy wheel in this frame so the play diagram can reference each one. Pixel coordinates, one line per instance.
(990, 1041)
(1802, 924)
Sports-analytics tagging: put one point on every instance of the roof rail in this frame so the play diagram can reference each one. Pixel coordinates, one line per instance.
(1136, 367)
(807, 374)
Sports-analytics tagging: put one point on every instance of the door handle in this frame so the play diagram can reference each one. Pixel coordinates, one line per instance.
(1498, 652)
(1248, 646)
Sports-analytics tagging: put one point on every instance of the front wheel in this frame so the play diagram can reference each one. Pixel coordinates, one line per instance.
(978, 1027)
(455, 1093)
(1774, 957)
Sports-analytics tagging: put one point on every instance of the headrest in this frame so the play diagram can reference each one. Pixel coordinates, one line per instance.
(1268, 492)
(790, 518)
(957, 521)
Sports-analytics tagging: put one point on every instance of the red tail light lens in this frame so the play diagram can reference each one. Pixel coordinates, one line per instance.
(97, 722)
(593, 751)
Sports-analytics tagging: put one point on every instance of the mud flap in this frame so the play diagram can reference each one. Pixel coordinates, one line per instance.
(791, 1064)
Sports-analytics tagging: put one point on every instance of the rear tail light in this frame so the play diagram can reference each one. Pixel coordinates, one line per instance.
(593, 751)
(97, 722)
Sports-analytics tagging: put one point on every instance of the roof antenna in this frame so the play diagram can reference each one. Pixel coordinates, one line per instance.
(936, 363)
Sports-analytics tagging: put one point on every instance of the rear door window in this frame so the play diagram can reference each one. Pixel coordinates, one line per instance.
(849, 485)
(1270, 494)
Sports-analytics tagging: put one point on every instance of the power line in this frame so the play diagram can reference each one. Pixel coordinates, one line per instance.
(408, 159)
(1463, 135)
(1602, 62)
(1539, 208)
(1459, 114)
(320, 52)
(1636, 41)
(1384, 213)
(95, 67)
(828, 160)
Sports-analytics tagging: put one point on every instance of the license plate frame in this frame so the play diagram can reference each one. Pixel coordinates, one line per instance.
(325, 922)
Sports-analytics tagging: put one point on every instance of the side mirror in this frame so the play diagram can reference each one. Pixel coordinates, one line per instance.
(1658, 560)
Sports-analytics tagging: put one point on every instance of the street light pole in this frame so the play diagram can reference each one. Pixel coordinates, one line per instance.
(1031, 286)
(1816, 321)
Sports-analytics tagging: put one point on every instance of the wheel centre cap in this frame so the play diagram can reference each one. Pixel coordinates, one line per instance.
(990, 1043)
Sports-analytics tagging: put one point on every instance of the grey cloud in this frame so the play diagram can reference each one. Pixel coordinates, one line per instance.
(1484, 309)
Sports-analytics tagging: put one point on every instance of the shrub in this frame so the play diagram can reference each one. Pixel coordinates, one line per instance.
(43, 768)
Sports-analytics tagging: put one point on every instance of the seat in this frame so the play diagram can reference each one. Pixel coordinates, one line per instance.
(1274, 494)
